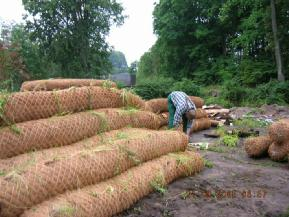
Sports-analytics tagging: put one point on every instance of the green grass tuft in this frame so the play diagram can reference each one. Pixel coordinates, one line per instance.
(250, 123)
(65, 210)
(230, 140)
(158, 183)
(208, 163)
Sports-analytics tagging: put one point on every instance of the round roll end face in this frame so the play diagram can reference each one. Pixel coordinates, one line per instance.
(257, 146)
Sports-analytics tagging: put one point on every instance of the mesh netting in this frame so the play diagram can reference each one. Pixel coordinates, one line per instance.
(59, 84)
(201, 113)
(200, 124)
(161, 105)
(64, 130)
(25, 106)
(36, 183)
(198, 101)
(278, 152)
(257, 146)
(279, 131)
(24, 161)
(115, 195)
(164, 117)
(215, 123)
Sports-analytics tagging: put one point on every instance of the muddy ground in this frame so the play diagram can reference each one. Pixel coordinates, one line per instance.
(235, 186)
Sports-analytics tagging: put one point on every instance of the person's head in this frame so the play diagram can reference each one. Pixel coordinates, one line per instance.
(190, 114)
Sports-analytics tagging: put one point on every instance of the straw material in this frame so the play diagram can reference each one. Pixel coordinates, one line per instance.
(201, 113)
(23, 189)
(64, 130)
(59, 84)
(164, 118)
(198, 101)
(200, 124)
(278, 152)
(279, 131)
(257, 146)
(215, 123)
(26, 106)
(24, 161)
(161, 105)
(115, 195)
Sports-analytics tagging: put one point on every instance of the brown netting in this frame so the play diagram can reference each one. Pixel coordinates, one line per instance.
(198, 101)
(278, 152)
(64, 130)
(200, 124)
(201, 113)
(59, 84)
(215, 123)
(35, 184)
(157, 105)
(117, 194)
(161, 105)
(279, 131)
(257, 146)
(24, 161)
(164, 118)
(25, 106)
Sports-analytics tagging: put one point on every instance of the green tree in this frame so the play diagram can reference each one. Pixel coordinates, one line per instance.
(118, 61)
(72, 33)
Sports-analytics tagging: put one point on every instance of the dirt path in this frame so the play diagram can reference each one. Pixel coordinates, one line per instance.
(235, 186)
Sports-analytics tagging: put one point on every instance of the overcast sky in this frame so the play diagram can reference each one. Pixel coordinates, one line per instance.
(133, 38)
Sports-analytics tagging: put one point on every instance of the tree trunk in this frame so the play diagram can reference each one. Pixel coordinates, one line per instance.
(278, 55)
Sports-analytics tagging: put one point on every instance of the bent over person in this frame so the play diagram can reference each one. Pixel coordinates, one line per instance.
(181, 108)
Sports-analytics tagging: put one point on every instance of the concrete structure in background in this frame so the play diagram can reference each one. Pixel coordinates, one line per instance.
(126, 79)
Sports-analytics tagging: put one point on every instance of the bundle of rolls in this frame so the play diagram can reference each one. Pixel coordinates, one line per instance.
(276, 143)
(160, 106)
(84, 151)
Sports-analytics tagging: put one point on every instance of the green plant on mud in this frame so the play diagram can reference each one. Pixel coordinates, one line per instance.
(218, 149)
(249, 123)
(221, 131)
(185, 194)
(209, 164)
(230, 140)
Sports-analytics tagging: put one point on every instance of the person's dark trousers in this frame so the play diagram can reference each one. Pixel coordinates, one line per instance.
(172, 110)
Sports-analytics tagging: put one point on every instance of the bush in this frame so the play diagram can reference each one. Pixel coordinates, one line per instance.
(159, 87)
(230, 140)
(252, 73)
(234, 92)
(187, 86)
(154, 88)
(218, 101)
(273, 92)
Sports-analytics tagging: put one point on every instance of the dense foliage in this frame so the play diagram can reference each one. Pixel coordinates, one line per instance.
(118, 61)
(59, 39)
(228, 43)
(72, 34)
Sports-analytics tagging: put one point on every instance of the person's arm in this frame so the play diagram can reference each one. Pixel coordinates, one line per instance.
(178, 116)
